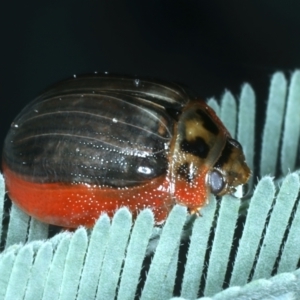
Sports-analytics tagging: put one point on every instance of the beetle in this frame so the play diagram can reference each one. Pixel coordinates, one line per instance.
(92, 144)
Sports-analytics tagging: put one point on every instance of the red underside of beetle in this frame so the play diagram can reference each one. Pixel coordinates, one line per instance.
(71, 205)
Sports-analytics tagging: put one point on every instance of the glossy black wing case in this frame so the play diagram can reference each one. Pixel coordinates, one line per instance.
(106, 130)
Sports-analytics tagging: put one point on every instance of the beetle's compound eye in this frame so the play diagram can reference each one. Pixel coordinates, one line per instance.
(216, 182)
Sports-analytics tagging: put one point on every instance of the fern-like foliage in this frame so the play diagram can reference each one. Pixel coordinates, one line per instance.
(107, 262)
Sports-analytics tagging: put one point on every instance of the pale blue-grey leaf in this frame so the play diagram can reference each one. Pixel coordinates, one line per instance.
(18, 227)
(6, 264)
(229, 112)
(94, 259)
(291, 131)
(259, 208)
(114, 255)
(73, 264)
(196, 253)
(2, 196)
(169, 281)
(168, 243)
(246, 125)
(39, 272)
(291, 252)
(135, 255)
(55, 274)
(221, 247)
(279, 218)
(37, 230)
(273, 124)
(20, 274)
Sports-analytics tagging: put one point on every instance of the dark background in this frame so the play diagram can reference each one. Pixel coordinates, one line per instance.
(209, 46)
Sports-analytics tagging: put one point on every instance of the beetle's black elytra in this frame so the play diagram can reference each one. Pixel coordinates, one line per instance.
(112, 124)
(174, 112)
